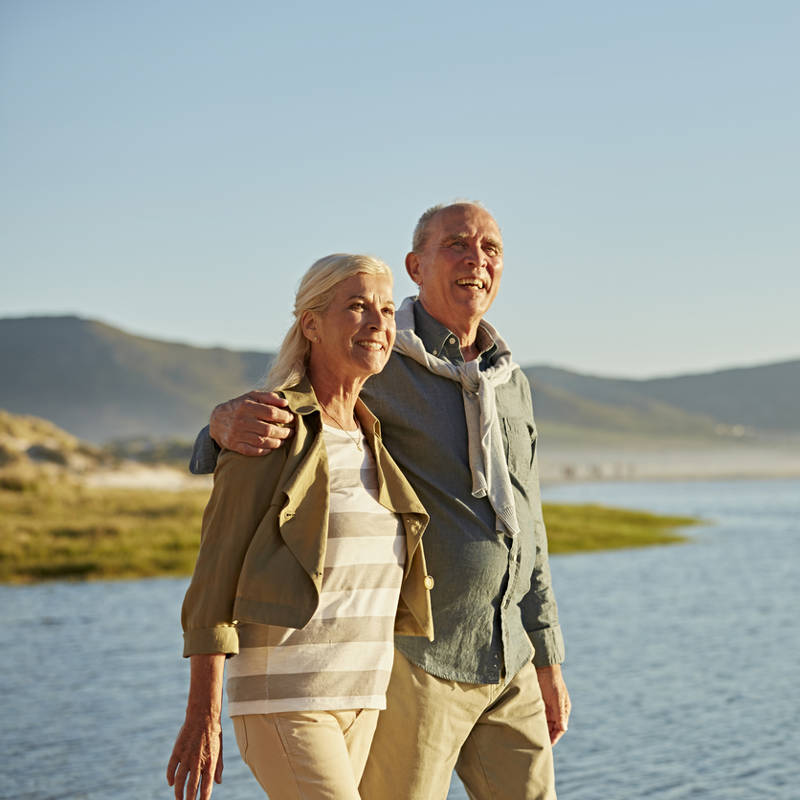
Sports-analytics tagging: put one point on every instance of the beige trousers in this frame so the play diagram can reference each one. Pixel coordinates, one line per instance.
(307, 755)
(494, 736)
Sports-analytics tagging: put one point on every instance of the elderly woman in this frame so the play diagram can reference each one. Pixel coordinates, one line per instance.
(310, 559)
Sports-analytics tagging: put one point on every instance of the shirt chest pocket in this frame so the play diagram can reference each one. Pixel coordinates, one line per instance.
(520, 445)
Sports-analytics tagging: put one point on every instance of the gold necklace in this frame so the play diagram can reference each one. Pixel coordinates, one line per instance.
(357, 440)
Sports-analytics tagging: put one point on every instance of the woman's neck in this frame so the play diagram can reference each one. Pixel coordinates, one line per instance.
(336, 397)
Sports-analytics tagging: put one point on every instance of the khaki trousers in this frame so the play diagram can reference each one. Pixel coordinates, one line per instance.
(494, 736)
(307, 755)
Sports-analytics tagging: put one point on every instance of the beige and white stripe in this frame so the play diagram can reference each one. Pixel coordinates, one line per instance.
(343, 657)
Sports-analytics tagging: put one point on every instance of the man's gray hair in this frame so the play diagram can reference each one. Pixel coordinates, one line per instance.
(420, 237)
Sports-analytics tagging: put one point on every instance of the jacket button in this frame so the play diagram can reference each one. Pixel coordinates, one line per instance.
(428, 582)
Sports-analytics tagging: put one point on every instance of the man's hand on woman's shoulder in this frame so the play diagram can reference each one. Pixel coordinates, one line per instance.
(253, 424)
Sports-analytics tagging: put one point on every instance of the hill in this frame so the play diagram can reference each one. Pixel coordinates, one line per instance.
(764, 397)
(101, 383)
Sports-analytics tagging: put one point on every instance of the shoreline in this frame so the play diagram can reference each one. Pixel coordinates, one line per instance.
(76, 532)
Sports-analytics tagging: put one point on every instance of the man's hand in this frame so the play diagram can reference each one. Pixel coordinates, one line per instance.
(253, 424)
(556, 700)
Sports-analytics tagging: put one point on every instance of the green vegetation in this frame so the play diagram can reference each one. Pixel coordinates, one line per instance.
(70, 532)
(576, 529)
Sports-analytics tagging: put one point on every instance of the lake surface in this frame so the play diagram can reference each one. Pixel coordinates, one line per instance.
(682, 665)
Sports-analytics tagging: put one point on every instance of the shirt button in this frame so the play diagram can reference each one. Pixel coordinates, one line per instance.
(436, 352)
(452, 340)
(428, 582)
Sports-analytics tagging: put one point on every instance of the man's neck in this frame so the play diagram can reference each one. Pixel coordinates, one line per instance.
(466, 331)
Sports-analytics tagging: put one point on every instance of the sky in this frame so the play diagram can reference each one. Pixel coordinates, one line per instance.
(172, 168)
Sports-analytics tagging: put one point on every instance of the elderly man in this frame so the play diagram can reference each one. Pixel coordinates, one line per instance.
(486, 698)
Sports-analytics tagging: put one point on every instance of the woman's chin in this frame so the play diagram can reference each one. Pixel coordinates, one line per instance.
(371, 363)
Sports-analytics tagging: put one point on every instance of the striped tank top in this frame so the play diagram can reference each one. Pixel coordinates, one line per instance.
(343, 657)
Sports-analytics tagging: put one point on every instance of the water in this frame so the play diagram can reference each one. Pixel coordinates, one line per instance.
(682, 665)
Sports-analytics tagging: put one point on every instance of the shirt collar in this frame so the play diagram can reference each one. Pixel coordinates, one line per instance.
(442, 342)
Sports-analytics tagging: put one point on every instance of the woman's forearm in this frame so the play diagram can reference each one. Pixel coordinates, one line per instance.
(205, 687)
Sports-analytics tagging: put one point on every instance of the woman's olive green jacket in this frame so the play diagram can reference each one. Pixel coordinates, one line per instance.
(262, 548)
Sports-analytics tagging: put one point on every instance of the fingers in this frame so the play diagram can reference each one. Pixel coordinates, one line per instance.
(195, 780)
(256, 447)
(180, 780)
(268, 398)
(192, 785)
(556, 731)
(266, 406)
(218, 770)
(558, 725)
(251, 418)
(208, 785)
(264, 430)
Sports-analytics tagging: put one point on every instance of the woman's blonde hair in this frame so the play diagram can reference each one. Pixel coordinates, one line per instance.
(315, 293)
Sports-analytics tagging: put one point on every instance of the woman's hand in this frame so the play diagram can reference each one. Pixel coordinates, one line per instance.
(196, 757)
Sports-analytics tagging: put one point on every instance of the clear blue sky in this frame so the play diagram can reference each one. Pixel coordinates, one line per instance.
(173, 167)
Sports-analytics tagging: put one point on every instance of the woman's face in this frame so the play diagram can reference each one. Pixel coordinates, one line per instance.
(356, 333)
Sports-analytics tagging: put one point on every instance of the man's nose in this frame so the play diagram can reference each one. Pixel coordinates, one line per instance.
(475, 255)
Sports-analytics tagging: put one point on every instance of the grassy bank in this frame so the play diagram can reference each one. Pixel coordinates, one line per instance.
(72, 532)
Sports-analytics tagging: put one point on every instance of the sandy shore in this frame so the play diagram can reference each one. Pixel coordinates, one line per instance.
(667, 462)
(131, 475)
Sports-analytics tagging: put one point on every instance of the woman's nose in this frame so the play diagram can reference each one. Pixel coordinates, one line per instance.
(376, 319)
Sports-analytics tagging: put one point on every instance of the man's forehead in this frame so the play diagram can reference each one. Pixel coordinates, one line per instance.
(466, 220)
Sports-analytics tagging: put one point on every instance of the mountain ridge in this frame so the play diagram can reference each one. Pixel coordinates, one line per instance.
(99, 382)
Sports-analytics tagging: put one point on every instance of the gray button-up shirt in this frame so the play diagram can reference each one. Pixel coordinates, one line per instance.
(492, 596)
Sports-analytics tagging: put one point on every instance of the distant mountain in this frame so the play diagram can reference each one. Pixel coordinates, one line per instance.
(763, 397)
(101, 383)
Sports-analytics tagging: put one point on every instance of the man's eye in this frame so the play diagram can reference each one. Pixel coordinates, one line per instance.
(389, 311)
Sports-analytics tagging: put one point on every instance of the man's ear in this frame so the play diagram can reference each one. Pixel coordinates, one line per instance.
(413, 269)
(308, 324)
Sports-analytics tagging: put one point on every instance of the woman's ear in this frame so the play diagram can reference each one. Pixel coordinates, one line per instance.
(308, 324)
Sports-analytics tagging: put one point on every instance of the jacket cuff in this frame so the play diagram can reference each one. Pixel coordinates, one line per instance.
(548, 645)
(221, 639)
(204, 454)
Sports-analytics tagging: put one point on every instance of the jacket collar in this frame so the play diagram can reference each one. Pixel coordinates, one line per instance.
(303, 402)
(394, 494)
(301, 398)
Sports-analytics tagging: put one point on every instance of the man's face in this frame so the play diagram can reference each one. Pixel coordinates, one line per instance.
(458, 270)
